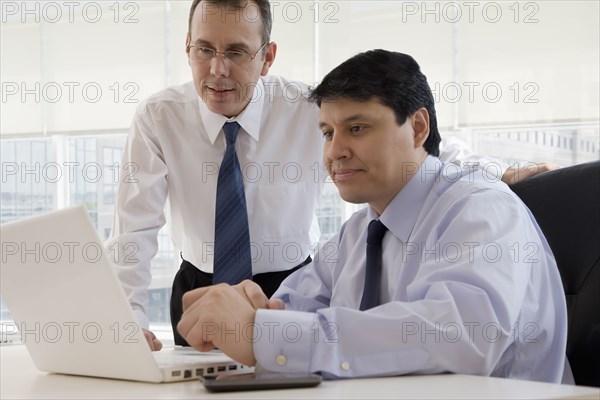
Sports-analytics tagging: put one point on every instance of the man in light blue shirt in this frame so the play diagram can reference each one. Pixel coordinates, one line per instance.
(463, 280)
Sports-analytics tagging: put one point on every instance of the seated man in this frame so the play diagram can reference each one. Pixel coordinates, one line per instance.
(444, 271)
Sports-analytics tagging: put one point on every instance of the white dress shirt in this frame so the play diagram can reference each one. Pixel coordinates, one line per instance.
(176, 146)
(173, 152)
(469, 285)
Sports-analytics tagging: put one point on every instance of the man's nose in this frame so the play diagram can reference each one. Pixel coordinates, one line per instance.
(337, 148)
(219, 65)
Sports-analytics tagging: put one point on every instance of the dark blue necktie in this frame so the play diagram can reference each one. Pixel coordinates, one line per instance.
(232, 262)
(375, 235)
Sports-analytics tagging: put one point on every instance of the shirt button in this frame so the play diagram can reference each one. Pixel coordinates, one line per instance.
(345, 366)
(281, 360)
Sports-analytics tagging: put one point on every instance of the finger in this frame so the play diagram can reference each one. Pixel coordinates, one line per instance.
(548, 167)
(196, 335)
(276, 304)
(156, 345)
(194, 325)
(190, 297)
(149, 340)
(194, 301)
(204, 346)
(254, 294)
(152, 341)
(185, 324)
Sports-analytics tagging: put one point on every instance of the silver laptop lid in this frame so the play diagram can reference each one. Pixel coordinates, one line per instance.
(61, 290)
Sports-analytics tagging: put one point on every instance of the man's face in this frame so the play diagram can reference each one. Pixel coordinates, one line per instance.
(368, 155)
(225, 87)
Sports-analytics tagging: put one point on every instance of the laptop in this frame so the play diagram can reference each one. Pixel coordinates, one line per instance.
(58, 283)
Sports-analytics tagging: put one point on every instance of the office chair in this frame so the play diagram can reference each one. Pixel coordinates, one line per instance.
(566, 205)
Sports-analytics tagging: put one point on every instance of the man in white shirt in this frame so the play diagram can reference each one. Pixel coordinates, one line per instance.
(177, 144)
(444, 271)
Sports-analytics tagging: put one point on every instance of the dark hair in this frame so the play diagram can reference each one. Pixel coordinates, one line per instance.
(264, 7)
(394, 79)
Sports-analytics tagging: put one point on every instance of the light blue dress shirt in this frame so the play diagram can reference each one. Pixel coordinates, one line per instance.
(469, 285)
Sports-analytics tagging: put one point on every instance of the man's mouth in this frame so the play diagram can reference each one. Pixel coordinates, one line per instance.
(221, 87)
(216, 89)
(341, 175)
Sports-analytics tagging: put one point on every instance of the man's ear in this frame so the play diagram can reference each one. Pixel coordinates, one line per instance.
(270, 54)
(187, 46)
(420, 125)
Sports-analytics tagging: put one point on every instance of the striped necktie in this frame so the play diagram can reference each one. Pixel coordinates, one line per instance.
(232, 260)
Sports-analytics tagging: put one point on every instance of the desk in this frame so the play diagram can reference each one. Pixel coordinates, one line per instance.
(20, 379)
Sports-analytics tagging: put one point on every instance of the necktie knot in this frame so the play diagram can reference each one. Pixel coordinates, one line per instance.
(376, 232)
(231, 130)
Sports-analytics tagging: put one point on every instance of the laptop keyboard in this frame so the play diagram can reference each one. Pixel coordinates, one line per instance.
(180, 357)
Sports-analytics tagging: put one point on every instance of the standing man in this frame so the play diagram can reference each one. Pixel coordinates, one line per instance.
(179, 142)
(425, 280)
(236, 154)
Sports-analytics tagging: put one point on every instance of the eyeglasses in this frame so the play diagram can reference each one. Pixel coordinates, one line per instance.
(237, 57)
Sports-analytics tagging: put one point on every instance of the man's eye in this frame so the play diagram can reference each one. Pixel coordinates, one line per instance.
(327, 135)
(235, 55)
(356, 128)
(205, 50)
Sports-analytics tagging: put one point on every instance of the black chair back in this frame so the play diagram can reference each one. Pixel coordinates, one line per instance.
(566, 204)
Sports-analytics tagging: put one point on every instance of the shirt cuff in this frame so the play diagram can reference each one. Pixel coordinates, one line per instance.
(142, 318)
(283, 340)
(500, 167)
(493, 168)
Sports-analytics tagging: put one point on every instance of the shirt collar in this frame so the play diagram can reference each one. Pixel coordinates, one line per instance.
(249, 119)
(400, 216)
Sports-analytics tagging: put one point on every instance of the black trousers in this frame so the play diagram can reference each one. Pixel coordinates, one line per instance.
(189, 277)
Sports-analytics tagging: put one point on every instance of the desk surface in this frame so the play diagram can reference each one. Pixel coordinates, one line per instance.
(20, 379)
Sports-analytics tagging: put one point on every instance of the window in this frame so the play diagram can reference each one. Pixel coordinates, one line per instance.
(33, 173)
(28, 168)
(112, 160)
(330, 212)
(84, 174)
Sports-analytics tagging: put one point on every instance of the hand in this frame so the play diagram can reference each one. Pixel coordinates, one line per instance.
(221, 316)
(256, 297)
(514, 175)
(252, 293)
(153, 342)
